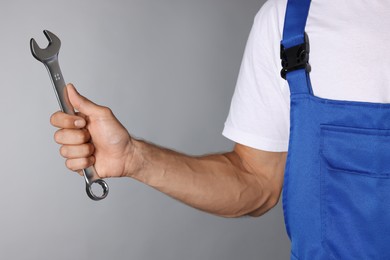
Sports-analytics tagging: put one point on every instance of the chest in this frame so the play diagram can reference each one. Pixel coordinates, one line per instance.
(349, 50)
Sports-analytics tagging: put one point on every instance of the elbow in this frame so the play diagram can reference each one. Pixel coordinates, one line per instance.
(263, 204)
(270, 202)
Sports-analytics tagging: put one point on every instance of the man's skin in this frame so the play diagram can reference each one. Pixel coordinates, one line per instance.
(245, 181)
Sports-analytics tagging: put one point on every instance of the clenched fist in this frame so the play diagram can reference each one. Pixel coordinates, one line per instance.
(92, 136)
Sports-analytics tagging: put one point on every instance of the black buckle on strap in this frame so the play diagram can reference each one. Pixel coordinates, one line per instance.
(295, 58)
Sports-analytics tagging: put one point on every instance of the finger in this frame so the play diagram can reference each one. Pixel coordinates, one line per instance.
(79, 163)
(77, 151)
(81, 115)
(81, 103)
(72, 136)
(62, 120)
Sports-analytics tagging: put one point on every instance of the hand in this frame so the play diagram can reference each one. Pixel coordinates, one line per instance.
(92, 136)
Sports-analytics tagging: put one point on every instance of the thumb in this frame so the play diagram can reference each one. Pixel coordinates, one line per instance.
(79, 102)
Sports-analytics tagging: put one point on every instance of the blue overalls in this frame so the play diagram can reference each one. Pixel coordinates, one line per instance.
(336, 195)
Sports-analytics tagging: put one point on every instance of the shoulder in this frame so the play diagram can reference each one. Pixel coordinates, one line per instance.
(272, 14)
(268, 25)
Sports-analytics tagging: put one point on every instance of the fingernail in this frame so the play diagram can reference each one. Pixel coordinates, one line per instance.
(79, 123)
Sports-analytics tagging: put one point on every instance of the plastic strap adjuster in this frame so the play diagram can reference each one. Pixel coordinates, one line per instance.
(295, 57)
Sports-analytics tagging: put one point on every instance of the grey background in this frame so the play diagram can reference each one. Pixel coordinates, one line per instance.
(167, 69)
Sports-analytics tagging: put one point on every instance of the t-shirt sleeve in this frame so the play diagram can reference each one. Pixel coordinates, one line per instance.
(259, 112)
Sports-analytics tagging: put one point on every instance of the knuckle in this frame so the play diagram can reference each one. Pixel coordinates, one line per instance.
(106, 111)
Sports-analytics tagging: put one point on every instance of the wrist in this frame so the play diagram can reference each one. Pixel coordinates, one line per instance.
(133, 163)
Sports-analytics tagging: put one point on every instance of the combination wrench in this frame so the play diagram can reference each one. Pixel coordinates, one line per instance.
(49, 57)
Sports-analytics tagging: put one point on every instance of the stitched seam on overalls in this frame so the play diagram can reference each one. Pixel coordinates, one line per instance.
(360, 173)
(356, 130)
(323, 211)
(300, 96)
(286, 179)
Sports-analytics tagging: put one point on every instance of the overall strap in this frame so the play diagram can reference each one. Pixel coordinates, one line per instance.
(295, 47)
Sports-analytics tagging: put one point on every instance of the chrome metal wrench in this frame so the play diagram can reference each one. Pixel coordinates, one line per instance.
(49, 57)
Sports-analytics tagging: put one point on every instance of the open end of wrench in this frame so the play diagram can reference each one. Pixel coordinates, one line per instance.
(50, 51)
(90, 192)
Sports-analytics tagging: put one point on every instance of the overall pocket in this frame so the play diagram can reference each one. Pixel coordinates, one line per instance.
(355, 192)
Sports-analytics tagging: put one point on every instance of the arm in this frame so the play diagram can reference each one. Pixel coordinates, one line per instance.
(245, 181)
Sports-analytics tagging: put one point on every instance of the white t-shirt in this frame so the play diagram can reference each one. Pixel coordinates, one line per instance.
(349, 56)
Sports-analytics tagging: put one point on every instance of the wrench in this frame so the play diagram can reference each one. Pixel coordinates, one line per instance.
(49, 57)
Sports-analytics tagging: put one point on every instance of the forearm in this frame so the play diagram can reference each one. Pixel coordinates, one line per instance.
(218, 184)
